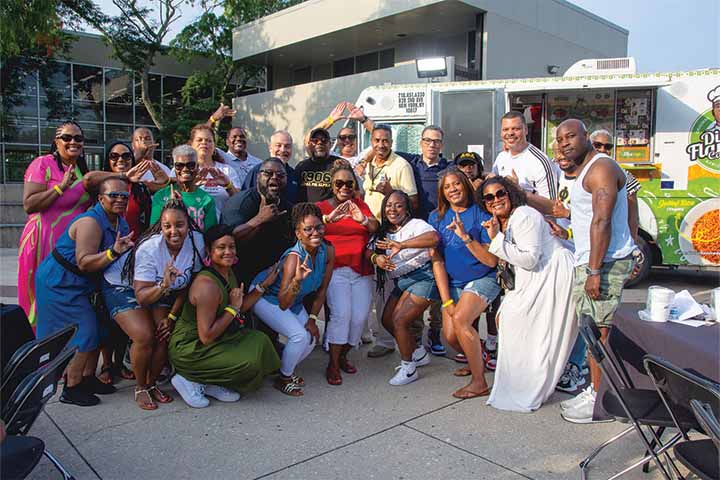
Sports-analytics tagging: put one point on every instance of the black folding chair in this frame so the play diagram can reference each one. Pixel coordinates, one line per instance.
(677, 389)
(31, 356)
(29, 398)
(638, 407)
(701, 456)
(19, 455)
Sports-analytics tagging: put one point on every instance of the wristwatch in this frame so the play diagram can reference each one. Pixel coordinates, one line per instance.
(592, 271)
(468, 240)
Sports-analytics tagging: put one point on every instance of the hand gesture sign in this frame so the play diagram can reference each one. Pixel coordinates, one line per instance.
(384, 262)
(268, 212)
(458, 227)
(235, 298)
(557, 231)
(123, 244)
(513, 177)
(271, 276)
(355, 212)
(68, 179)
(384, 186)
(170, 274)
(559, 210)
(355, 112)
(492, 226)
(219, 177)
(145, 151)
(302, 269)
(391, 245)
(223, 111)
(340, 212)
(158, 173)
(337, 112)
(136, 172)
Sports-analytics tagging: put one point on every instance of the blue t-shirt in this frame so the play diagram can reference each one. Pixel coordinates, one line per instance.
(461, 265)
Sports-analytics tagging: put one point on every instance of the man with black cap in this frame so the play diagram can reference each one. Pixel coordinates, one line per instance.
(313, 173)
(470, 163)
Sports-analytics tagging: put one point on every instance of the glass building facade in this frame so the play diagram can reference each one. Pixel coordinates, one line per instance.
(106, 102)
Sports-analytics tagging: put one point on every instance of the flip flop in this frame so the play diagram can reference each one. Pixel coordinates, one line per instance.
(127, 374)
(462, 372)
(466, 394)
(103, 371)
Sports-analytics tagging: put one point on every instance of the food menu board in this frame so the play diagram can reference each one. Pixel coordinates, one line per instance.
(632, 134)
(596, 109)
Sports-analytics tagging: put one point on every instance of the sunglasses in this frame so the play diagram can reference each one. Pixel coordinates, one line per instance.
(117, 195)
(114, 156)
(489, 197)
(607, 146)
(319, 228)
(66, 137)
(344, 183)
(189, 165)
(347, 138)
(272, 173)
(319, 141)
(433, 141)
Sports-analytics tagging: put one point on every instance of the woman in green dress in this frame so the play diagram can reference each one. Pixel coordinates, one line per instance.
(212, 353)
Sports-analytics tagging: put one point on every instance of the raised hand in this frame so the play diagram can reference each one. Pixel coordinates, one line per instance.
(457, 226)
(145, 151)
(267, 212)
(302, 269)
(355, 212)
(271, 276)
(384, 187)
(123, 244)
(492, 226)
(136, 172)
(384, 262)
(392, 245)
(559, 210)
(235, 297)
(355, 112)
(170, 274)
(223, 111)
(337, 112)
(158, 173)
(68, 179)
(340, 212)
(513, 177)
(218, 176)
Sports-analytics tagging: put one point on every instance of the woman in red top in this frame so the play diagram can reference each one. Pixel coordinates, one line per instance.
(349, 226)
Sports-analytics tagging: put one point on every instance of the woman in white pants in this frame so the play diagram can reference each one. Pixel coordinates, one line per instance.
(306, 268)
(349, 224)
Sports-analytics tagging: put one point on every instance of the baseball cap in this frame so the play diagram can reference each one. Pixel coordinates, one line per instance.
(319, 132)
(463, 158)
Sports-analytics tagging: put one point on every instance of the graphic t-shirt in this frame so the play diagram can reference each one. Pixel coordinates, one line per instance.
(314, 179)
(461, 265)
(200, 207)
(410, 259)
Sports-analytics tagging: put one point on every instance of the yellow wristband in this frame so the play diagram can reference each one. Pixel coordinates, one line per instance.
(109, 255)
(569, 232)
(373, 257)
(231, 311)
(330, 121)
(172, 316)
(58, 189)
(448, 303)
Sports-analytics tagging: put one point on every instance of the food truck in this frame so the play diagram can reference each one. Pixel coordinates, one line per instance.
(665, 126)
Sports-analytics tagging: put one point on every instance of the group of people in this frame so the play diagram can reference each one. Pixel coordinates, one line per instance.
(204, 265)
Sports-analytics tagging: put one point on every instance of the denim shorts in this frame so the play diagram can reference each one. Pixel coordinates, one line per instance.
(420, 282)
(119, 299)
(486, 288)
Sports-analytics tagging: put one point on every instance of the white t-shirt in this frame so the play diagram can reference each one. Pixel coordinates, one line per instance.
(242, 167)
(565, 185)
(410, 259)
(149, 177)
(153, 255)
(535, 171)
(216, 191)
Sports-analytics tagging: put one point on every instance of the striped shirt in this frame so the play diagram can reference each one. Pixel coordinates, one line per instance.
(535, 171)
(631, 183)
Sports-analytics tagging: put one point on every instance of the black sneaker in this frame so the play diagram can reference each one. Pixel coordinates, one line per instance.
(93, 385)
(435, 344)
(78, 396)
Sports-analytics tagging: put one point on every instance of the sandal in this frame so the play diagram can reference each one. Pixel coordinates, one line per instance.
(333, 376)
(462, 372)
(297, 380)
(145, 406)
(288, 387)
(467, 394)
(346, 366)
(127, 374)
(106, 371)
(159, 395)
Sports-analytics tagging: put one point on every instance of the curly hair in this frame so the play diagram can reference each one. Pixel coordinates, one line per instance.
(215, 156)
(216, 232)
(443, 203)
(128, 269)
(81, 162)
(302, 210)
(515, 194)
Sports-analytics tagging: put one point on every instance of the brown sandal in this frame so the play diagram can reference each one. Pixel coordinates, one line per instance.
(297, 380)
(159, 395)
(145, 406)
(467, 394)
(462, 372)
(332, 375)
(288, 387)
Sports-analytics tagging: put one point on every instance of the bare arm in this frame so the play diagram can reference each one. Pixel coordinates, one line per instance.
(37, 197)
(633, 216)
(602, 183)
(206, 296)
(540, 203)
(424, 240)
(289, 285)
(87, 235)
(440, 274)
(481, 252)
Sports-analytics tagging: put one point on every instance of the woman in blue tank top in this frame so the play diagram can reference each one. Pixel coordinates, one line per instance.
(64, 282)
(306, 268)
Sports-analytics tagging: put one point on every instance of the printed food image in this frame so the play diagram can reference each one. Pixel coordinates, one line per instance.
(706, 236)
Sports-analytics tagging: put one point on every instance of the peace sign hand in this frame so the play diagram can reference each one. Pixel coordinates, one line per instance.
(170, 274)
(457, 226)
(492, 226)
(68, 179)
(123, 244)
(303, 270)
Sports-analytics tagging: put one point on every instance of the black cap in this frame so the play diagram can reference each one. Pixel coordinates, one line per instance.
(319, 131)
(463, 158)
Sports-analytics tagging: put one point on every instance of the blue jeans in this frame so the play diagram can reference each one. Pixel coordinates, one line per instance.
(577, 355)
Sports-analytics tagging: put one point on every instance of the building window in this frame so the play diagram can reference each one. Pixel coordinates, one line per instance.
(55, 91)
(142, 116)
(366, 63)
(302, 75)
(344, 67)
(118, 96)
(387, 58)
(87, 93)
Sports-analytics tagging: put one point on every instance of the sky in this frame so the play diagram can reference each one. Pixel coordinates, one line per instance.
(665, 35)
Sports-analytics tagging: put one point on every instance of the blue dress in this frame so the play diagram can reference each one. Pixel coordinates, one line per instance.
(63, 297)
(309, 285)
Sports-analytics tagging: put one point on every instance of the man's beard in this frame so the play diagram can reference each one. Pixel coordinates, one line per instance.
(270, 197)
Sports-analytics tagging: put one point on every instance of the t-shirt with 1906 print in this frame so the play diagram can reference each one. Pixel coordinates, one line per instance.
(200, 206)
(314, 178)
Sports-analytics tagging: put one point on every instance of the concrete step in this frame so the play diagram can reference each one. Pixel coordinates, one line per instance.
(10, 235)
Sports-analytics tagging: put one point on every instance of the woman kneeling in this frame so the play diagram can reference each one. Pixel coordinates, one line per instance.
(212, 353)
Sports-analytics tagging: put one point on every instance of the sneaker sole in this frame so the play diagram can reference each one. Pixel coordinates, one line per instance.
(569, 389)
(409, 380)
(183, 394)
(586, 420)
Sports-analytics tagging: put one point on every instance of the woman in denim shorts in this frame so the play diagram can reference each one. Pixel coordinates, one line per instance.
(464, 272)
(145, 292)
(401, 248)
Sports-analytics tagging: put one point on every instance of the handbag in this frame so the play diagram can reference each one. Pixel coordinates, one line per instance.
(505, 275)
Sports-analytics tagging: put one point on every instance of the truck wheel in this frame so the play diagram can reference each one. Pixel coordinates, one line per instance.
(644, 269)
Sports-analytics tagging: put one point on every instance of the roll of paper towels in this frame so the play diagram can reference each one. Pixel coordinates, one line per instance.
(658, 300)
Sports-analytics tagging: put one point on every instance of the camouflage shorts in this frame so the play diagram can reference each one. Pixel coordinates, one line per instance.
(613, 276)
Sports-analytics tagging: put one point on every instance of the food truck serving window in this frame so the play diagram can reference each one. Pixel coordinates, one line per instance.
(406, 136)
(633, 120)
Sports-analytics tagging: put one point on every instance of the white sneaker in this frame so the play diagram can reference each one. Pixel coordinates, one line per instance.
(583, 412)
(191, 392)
(578, 399)
(421, 357)
(221, 393)
(406, 373)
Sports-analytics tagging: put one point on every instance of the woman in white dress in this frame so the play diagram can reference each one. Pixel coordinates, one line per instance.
(536, 318)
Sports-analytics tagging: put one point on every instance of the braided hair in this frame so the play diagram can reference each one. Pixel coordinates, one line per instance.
(81, 162)
(382, 233)
(128, 269)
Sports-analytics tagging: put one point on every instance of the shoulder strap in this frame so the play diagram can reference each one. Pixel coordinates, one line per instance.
(219, 277)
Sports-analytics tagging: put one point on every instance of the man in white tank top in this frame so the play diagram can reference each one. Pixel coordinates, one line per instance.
(603, 244)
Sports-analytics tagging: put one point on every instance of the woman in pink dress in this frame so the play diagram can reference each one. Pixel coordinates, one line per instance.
(53, 195)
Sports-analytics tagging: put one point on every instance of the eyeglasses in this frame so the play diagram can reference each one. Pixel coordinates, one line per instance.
(117, 195)
(344, 183)
(114, 156)
(433, 141)
(319, 228)
(66, 137)
(489, 197)
(599, 145)
(319, 141)
(179, 167)
(273, 173)
(347, 138)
